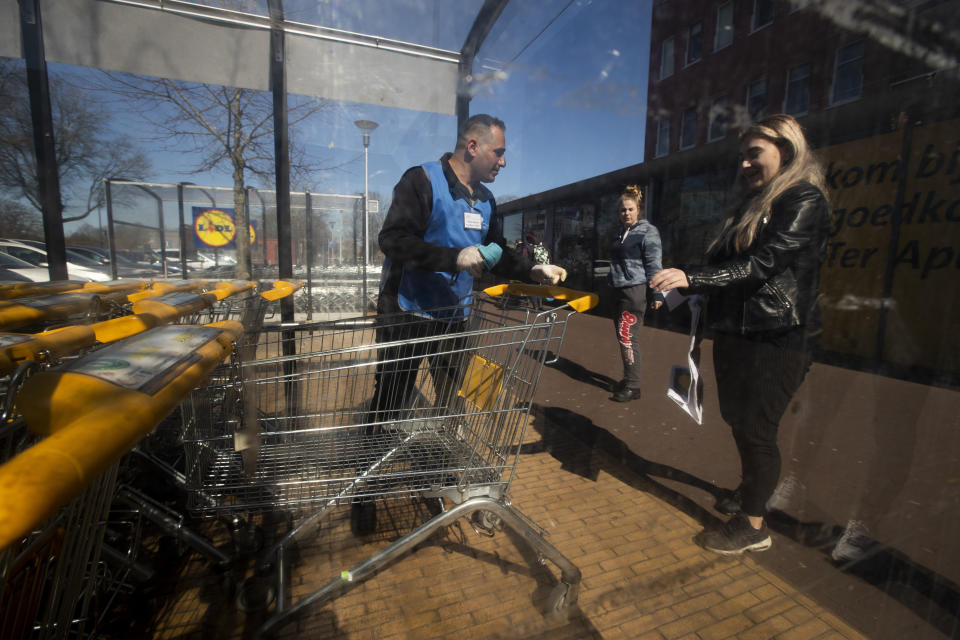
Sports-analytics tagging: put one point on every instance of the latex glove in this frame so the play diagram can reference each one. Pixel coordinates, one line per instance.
(548, 274)
(470, 260)
(491, 254)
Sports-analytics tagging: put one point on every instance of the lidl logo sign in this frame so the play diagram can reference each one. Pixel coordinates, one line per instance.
(215, 228)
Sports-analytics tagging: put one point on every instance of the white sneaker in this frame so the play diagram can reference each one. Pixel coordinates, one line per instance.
(854, 544)
(789, 492)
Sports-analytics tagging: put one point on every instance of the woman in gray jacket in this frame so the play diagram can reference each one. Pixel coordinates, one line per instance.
(634, 259)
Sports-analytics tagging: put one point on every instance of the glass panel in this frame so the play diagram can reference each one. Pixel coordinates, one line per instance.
(20, 206)
(513, 228)
(849, 74)
(862, 516)
(798, 90)
(762, 13)
(757, 99)
(663, 137)
(718, 119)
(724, 32)
(426, 22)
(694, 43)
(666, 58)
(688, 128)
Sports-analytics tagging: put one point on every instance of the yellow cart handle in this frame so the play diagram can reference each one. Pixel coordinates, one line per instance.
(150, 313)
(116, 329)
(580, 301)
(228, 288)
(281, 289)
(171, 306)
(94, 420)
(115, 286)
(30, 289)
(25, 311)
(18, 348)
(163, 287)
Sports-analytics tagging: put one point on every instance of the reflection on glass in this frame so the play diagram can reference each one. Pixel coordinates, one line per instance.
(797, 100)
(596, 96)
(848, 76)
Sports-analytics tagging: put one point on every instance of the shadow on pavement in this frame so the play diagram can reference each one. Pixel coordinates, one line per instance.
(580, 373)
(932, 597)
(928, 594)
(564, 433)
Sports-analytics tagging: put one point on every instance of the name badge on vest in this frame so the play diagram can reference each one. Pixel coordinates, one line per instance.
(472, 220)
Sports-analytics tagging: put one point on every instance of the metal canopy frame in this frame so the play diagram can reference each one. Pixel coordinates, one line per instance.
(233, 48)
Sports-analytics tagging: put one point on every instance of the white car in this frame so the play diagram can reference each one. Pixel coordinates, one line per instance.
(38, 258)
(17, 270)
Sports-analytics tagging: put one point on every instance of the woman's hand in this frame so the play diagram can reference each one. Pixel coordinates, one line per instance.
(668, 279)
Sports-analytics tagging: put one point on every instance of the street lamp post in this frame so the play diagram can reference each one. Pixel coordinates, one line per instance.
(366, 126)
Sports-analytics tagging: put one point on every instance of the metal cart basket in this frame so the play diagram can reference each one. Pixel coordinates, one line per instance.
(364, 410)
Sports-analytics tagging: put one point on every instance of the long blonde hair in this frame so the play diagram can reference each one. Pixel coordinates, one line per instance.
(797, 164)
(632, 192)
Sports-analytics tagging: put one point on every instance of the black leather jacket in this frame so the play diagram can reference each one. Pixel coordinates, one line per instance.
(774, 284)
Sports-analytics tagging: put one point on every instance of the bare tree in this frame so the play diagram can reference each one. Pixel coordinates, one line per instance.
(18, 221)
(225, 127)
(86, 151)
(86, 235)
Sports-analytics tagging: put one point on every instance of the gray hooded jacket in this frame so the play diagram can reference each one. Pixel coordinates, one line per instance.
(635, 256)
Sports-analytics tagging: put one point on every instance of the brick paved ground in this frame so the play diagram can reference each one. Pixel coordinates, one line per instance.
(642, 575)
(620, 490)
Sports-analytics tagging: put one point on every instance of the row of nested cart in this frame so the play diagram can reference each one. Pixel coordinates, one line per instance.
(301, 418)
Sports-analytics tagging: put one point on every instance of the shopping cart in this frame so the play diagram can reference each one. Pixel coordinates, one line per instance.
(365, 410)
(243, 301)
(57, 478)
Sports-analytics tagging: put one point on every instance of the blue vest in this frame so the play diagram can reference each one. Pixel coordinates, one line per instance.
(422, 290)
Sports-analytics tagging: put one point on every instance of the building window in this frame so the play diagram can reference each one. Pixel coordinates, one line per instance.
(848, 74)
(724, 33)
(666, 58)
(757, 100)
(762, 14)
(797, 100)
(663, 138)
(718, 120)
(695, 43)
(688, 128)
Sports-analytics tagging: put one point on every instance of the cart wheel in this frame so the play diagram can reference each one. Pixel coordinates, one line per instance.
(248, 540)
(363, 518)
(256, 593)
(557, 600)
(485, 522)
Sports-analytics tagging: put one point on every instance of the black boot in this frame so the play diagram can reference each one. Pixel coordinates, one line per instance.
(626, 394)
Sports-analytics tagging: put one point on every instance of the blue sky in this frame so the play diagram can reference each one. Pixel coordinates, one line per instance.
(569, 77)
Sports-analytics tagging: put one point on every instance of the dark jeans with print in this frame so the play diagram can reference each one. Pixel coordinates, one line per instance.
(630, 304)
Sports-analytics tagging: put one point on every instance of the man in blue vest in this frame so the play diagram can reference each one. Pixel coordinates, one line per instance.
(440, 233)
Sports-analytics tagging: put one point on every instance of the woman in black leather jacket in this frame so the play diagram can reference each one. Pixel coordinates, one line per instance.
(761, 282)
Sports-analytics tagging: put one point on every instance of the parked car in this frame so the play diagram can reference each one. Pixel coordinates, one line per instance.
(126, 268)
(83, 260)
(16, 270)
(38, 258)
